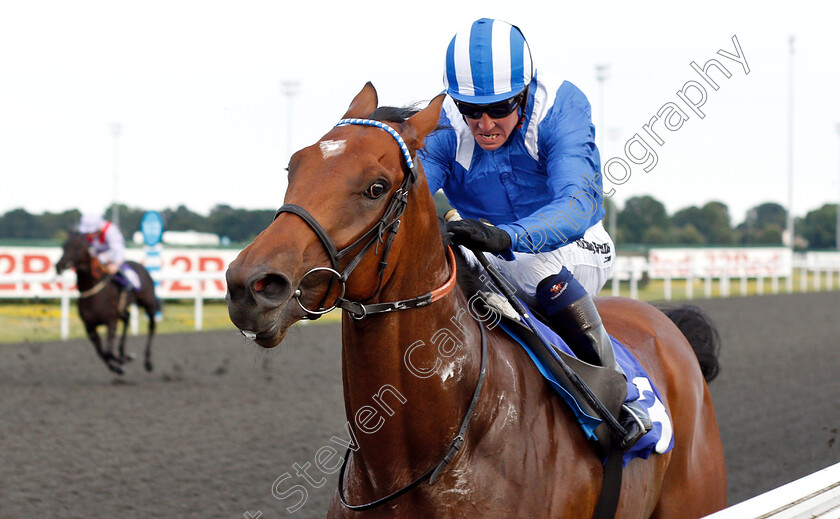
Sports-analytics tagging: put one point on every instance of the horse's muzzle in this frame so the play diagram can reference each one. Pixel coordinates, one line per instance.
(256, 299)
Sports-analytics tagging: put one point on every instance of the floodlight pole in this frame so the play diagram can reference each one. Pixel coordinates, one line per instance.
(791, 234)
(289, 89)
(116, 131)
(601, 75)
(837, 209)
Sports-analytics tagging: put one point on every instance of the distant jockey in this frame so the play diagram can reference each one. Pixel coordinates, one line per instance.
(107, 244)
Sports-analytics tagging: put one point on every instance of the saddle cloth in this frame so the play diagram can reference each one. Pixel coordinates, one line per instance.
(659, 439)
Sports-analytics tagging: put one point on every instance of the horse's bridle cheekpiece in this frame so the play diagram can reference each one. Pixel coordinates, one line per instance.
(388, 223)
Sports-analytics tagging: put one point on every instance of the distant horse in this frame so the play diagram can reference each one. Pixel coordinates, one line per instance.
(414, 361)
(102, 302)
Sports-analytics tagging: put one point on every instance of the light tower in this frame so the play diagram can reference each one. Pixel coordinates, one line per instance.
(116, 131)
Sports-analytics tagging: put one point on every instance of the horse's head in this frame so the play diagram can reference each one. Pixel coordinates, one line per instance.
(75, 254)
(345, 198)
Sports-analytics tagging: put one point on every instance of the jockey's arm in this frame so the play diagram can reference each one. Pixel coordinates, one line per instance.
(115, 254)
(574, 178)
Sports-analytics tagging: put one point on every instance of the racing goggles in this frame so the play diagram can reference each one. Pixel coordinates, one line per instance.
(495, 110)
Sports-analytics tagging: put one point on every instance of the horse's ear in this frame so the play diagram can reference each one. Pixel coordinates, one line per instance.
(363, 104)
(415, 129)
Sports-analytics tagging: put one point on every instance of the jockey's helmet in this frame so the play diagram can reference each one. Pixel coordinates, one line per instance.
(487, 63)
(91, 223)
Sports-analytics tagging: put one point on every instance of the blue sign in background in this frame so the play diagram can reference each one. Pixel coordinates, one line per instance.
(152, 228)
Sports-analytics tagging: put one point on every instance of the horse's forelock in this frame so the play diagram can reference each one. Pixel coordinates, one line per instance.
(394, 114)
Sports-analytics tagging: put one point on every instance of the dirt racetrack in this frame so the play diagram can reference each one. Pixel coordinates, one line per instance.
(210, 430)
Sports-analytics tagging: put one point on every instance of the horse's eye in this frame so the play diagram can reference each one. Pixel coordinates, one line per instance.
(375, 190)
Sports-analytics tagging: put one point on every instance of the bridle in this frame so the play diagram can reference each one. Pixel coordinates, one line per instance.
(102, 281)
(388, 223)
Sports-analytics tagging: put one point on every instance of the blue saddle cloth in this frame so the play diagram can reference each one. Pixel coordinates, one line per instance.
(659, 439)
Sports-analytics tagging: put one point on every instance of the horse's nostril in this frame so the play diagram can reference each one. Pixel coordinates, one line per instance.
(273, 288)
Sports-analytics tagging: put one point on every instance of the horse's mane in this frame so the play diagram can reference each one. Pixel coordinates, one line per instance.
(394, 114)
(399, 114)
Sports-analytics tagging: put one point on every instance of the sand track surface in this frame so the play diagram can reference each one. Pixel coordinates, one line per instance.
(208, 433)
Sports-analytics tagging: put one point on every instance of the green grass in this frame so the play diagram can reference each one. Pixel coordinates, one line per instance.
(654, 290)
(41, 321)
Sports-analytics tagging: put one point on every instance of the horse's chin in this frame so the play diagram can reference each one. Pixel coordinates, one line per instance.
(268, 330)
(272, 337)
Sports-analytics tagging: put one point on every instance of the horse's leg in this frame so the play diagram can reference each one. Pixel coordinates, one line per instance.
(106, 357)
(110, 335)
(151, 309)
(122, 358)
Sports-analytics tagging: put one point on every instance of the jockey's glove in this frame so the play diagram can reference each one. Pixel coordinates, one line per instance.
(478, 235)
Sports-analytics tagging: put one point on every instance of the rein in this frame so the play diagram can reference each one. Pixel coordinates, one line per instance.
(95, 289)
(388, 223)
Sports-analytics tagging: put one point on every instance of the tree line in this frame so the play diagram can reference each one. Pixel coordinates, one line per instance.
(238, 225)
(643, 220)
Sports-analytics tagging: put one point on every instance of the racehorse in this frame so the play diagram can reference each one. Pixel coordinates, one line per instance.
(424, 381)
(102, 302)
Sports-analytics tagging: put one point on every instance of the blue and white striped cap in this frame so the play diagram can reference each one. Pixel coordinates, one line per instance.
(490, 62)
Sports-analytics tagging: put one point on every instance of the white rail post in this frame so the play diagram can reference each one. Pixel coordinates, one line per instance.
(634, 283)
(689, 285)
(65, 309)
(774, 284)
(199, 304)
(724, 283)
(708, 284)
(803, 279)
(134, 318)
(759, 280)
(668, 287)
(616, 283)
(743, 281)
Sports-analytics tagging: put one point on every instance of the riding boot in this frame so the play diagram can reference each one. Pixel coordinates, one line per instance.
(574, 316)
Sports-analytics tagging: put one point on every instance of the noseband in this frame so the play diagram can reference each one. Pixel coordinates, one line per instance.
(389, 223)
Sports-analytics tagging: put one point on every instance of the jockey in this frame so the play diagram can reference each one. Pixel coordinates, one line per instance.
(107, 244)
(519, 155)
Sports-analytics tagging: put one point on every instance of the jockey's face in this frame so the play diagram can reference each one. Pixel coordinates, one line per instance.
(491, 133)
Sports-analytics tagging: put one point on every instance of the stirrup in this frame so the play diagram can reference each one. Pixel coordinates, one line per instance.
(636, 422)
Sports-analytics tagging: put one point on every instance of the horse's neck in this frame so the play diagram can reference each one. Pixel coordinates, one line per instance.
(89, 277)
(408, 380)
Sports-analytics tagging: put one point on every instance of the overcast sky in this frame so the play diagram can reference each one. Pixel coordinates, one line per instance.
(196, 88)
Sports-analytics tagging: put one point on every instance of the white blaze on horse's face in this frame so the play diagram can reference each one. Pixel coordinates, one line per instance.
(332, 148)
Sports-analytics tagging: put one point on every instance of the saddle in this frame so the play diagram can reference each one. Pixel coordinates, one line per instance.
(608, 385)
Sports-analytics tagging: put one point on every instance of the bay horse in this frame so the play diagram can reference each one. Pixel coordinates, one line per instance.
(429, 391)
(101, 302)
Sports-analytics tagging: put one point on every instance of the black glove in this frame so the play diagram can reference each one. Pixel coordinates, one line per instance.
(473, 234)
